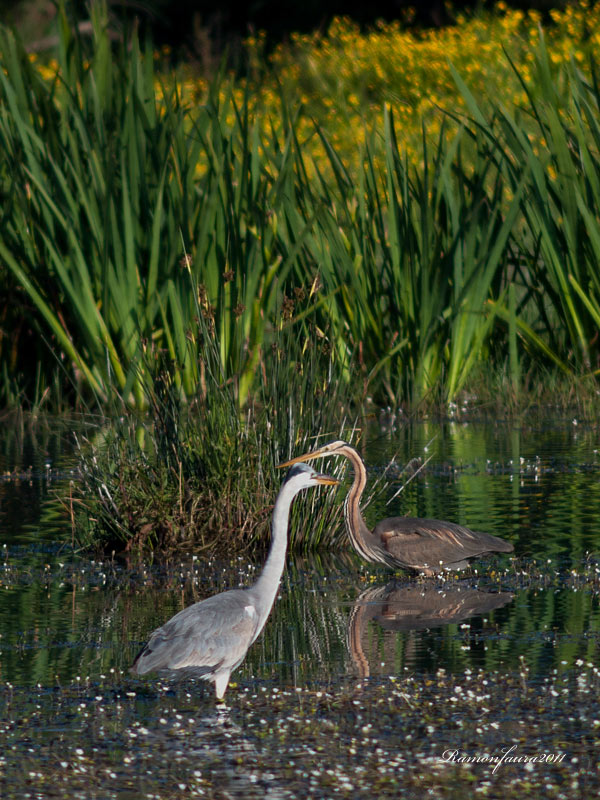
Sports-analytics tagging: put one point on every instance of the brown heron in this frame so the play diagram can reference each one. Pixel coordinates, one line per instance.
(412, 543)
(213, 636)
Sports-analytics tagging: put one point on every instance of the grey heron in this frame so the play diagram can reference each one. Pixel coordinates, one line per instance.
(421, 545)
(213, 636)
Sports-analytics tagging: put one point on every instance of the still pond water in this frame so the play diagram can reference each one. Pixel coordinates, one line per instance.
(363, 682)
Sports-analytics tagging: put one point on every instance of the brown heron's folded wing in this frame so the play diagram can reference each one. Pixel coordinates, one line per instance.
(430, 543)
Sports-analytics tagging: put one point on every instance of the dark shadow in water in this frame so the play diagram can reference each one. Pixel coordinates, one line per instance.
(405, 607)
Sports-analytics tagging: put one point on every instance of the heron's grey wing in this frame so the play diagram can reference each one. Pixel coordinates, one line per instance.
(431, 542)
(213, 634)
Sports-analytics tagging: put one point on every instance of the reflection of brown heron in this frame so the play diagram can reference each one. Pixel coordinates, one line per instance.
(413, 607)
(421, 545)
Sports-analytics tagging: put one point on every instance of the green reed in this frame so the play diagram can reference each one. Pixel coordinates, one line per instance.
(132, 226)
(127, 214)
(410, 259)
(550, 148)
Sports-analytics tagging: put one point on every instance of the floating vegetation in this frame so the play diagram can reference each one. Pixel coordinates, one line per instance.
(483, 731)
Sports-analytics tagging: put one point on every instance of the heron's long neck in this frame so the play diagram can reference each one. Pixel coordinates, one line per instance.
(357, 528)
(265, 588)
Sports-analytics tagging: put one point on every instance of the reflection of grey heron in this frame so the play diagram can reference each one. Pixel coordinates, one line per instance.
(213, 636)
(414, 607)
(422, 545)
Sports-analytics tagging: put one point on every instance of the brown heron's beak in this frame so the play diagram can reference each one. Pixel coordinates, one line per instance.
(305, 457)
(327, 480)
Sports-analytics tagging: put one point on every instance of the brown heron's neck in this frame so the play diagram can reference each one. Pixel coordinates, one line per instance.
(355, 633)
(360, 535)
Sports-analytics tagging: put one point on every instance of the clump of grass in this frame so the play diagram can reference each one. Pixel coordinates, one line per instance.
(202, 474)
(137, 494)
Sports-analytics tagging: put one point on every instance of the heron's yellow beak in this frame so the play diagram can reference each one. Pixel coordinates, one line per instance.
(326, 480)
(306, 457)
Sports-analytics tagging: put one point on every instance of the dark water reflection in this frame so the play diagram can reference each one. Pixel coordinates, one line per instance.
(404, 607)
(68, 619)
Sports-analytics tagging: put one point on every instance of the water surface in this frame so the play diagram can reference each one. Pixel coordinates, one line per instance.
(354, 660)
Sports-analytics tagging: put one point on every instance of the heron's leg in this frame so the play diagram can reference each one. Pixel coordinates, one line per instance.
(221, 682)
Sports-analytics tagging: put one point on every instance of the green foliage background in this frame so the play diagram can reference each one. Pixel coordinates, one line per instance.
(145, 214)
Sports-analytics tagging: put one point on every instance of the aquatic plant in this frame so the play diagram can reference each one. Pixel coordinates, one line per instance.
(126, 220)
(201, 474)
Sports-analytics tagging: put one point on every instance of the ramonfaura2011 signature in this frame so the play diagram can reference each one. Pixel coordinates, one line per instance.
(507, 755)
